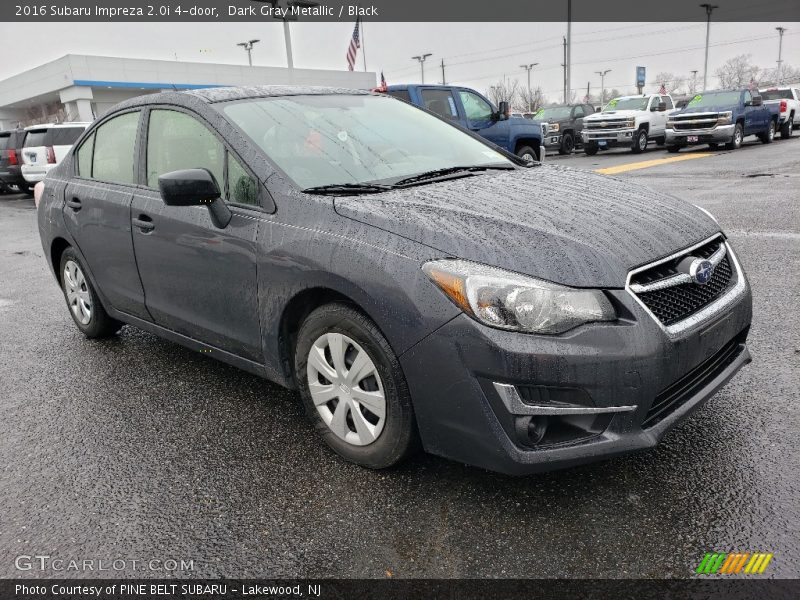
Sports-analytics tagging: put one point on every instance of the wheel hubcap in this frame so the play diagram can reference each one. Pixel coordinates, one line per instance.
(529, 157)
(77, 292)
(346, 389)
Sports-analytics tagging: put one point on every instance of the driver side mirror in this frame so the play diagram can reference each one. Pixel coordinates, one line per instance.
(662, 106)
(503, 111)
(195, 187)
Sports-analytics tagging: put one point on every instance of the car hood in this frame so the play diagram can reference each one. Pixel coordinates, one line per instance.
(707, 109)
(563, 225)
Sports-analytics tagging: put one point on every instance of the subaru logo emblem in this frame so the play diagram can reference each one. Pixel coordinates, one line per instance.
(701, 271)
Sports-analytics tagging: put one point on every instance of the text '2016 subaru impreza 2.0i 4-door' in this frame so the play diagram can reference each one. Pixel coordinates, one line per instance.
(416, 284)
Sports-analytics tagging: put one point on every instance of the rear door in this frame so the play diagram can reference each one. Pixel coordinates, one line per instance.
(440, 101)
(98, 210)
(199, 280)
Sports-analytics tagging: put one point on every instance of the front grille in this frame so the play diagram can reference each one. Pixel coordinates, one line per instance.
(676, 303)
(611, 124)
(677, 394)
(687, 122)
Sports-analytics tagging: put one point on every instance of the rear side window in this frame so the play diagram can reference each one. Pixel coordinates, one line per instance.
(114, 143)
(440, 102)
(35, 138)
(63, 136)
(85, 157)
(668, 101)
(4, 141)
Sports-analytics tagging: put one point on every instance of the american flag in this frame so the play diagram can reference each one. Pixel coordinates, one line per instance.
(383, 83)
(663, 89)
(352, 50)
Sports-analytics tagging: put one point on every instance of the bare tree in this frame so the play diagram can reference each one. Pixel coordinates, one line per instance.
(532, 102)
(737, 72)
(504, 91)
(672, 82)
(788, 74)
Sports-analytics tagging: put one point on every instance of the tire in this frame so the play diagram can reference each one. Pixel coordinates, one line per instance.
(661, 141)
(82, 301)
(528, 153)
(590, 149)
(713, 145)
(769, 136)
(736, 141)
(787, 129)
(356, 434)
(640, 142)
(567, 144)
(673, 149)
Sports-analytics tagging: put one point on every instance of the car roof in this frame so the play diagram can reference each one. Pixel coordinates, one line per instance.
(83, 124)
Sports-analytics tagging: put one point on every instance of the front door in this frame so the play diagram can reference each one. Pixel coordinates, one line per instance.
(480, 118)
(199, 280)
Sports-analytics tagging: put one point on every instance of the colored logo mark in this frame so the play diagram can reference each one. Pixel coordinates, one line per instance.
(734, 563)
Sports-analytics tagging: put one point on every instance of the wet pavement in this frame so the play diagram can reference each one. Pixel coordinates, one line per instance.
(135, 448)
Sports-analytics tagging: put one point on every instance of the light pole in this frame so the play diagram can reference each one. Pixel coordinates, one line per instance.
(287, 33)
(694, 81)
(529, 68)
(248, 45)
(603, 85)
(422, 58)
(778, 77)
(568, 58)
(709, 9)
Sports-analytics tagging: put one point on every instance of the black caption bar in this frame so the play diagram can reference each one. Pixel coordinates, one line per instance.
(399, 10)
(405, 589)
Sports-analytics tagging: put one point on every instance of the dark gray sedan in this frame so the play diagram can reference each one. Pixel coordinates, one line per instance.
(416, 284)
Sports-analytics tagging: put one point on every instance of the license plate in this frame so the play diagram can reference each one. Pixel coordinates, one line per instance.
(602, 142)
(692, 138)
(32, 157)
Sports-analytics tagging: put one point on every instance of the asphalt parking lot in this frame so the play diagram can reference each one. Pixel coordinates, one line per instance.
(136, 448)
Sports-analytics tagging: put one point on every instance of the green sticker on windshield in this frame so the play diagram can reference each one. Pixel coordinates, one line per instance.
(539, 113)
(613, 103)
(695, 100)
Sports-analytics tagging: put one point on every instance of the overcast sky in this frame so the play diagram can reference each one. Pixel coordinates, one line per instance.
(475, 54)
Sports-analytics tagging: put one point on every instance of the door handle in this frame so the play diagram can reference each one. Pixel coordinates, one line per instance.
(74, 204)
(144, 223)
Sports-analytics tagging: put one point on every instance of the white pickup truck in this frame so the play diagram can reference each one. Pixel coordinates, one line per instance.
(630, 121)
(789, 100)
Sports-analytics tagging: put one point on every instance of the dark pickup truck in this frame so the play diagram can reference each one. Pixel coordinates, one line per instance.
(722, 117)
(564, 124)
(468, 108)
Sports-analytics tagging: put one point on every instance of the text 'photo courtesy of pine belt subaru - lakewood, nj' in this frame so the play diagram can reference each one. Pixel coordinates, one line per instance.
(418, 285)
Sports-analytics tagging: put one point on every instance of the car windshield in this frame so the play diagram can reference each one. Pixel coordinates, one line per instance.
(554, 113)
(635, 103)
(320, 140)
(715, 99)
(777, 94)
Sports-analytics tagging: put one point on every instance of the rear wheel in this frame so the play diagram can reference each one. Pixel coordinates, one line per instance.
(713, 145)
(769, 136)
(353, 388)
(567, 144)
(787, 129)
(639, 142)
(590, 149)
(736, 140)
(84, 306)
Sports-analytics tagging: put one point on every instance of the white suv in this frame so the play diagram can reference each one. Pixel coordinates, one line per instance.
(45, 146)
(629, 121)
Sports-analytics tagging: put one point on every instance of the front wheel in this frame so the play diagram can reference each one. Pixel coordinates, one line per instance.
(528, 153)
(567, 144)
(353, 387)
(769, 136)
(673, 149)
(84, 305)
(590, 149)
(640, 142)
(713, 146)
(736, 140)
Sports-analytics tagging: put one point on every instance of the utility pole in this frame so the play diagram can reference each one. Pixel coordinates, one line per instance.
(569, 52)
(603, 85)
(529, 68)
(444, 81)
(564, 65)
(709, 9)
(248, 45)
(778, 76)
(421, 58)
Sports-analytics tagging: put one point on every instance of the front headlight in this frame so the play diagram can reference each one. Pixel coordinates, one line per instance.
(553, 127)
(508, 300)
(670, 124)
(724, 118)
(631, 122)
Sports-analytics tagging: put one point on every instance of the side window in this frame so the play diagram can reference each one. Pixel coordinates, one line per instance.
(748, 97)
(668, 101)
(113, 152)
(242, 189)
(85, 157)
(401, 94)
(654, 102)
(577, 113)
(475, 107)
(441, 102)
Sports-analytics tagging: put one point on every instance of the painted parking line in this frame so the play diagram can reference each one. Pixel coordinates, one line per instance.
(646, 164)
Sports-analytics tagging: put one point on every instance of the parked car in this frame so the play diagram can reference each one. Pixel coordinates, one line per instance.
(630, 121)
(722, 117)
(468, 108)
(564, 125)
(45, 146)
(10, 159)
(410, 281)
(788, 101)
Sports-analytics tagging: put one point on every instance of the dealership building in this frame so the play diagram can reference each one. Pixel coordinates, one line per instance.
(82, 88)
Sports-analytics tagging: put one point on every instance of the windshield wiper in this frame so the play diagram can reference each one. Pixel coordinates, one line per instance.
(449, 171)
(348, 188)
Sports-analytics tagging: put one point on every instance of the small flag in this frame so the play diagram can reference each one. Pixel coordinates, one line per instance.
(352, 50)
(586, 99)
(383, 85)
(663, 89)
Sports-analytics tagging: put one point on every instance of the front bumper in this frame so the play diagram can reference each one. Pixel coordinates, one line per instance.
(720, 134)
(609, 137)
(621, 370)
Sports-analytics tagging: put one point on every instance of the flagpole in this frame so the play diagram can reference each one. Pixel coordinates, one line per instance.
(363, 47)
